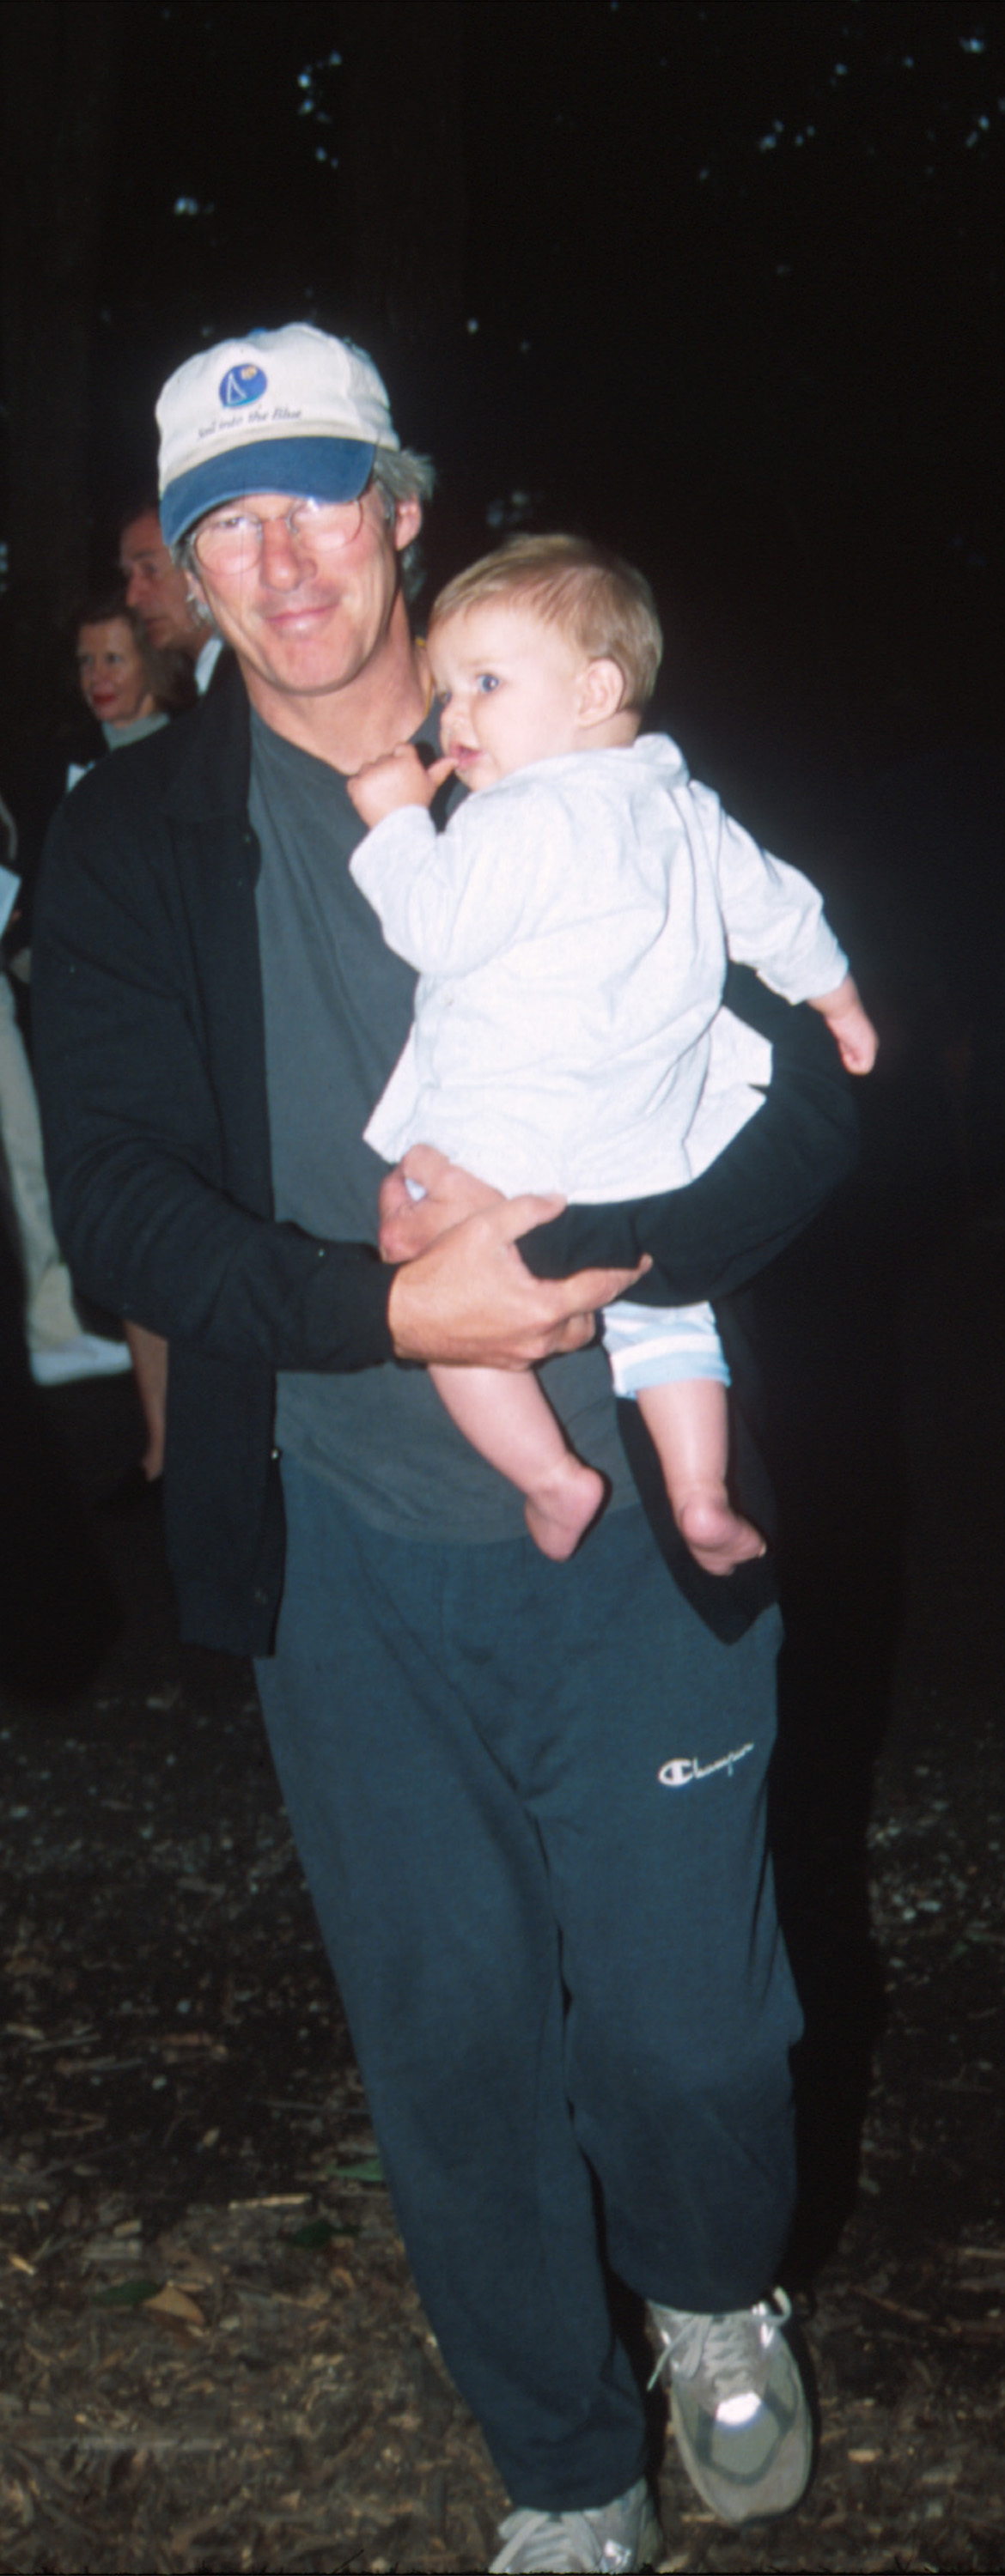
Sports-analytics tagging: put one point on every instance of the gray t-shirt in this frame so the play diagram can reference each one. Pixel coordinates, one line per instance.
(338, 1008)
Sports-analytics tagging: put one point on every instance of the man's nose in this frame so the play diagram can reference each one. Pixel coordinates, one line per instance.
(284, 560)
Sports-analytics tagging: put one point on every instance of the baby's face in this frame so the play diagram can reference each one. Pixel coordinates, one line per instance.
(509, 690)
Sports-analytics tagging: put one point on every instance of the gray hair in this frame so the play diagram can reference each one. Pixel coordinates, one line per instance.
(399, 475)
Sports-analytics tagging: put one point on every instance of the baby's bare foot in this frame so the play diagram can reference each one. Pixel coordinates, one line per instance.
(561, 1508)
(716, 1535)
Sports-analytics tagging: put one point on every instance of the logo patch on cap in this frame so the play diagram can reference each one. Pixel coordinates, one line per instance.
(242, 385)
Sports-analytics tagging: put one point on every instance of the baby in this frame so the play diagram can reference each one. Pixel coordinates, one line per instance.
(572, 927)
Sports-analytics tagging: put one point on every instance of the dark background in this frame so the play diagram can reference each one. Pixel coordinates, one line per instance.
(720, 284)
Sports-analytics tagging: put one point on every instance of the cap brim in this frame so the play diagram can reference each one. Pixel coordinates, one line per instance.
(319, 469)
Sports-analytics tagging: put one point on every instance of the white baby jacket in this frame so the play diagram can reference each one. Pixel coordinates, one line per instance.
(572, 928)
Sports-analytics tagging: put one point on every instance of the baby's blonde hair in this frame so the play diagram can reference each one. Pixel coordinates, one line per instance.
(603, 605)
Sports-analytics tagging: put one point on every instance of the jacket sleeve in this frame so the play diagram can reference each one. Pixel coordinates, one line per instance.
(709, 1238)
(152, 1089)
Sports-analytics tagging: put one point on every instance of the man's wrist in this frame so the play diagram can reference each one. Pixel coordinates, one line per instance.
(397, 1324)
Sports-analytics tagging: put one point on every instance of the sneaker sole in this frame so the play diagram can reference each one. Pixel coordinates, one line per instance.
(649, 2547)
(783, 2486)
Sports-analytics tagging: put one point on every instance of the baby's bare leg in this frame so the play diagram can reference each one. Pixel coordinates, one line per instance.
(689, 1426)
(149, 1354)
(509, 1420)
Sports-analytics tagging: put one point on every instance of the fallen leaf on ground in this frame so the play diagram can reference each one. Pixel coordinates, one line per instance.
(170, 2302)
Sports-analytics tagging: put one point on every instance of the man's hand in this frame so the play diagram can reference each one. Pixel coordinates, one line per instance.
(383, 786)
(469, 1302)
(410, 1225)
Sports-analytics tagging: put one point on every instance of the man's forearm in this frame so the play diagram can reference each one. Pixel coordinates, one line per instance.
(709, 1238)
(152, 1241)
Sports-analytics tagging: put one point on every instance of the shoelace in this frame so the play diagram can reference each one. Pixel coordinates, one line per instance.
(720, 2346)
(563, 2544)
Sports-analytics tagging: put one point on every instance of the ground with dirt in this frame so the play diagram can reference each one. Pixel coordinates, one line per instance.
(211, 2355)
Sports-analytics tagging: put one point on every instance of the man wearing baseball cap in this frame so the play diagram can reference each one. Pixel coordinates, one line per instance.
(528, 1799)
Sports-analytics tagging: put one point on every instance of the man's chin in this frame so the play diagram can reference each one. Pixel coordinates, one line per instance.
(302, 665)
(166, 638)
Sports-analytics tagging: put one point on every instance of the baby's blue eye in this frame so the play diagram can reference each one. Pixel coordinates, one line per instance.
(486, 681)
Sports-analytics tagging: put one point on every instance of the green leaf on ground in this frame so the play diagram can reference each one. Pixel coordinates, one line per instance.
(369, 2169)
(125, 2294)
(319, 2231)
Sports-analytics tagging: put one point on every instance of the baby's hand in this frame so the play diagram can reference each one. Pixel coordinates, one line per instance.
(382, 786)
(850, 1026)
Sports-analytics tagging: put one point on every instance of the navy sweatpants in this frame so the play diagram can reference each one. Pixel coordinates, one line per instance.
(529, 1803)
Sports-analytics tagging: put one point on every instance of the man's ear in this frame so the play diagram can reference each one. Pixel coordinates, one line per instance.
(600, 691)
(407, 523)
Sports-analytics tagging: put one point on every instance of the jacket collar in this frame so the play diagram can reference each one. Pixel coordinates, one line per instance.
(212, 776)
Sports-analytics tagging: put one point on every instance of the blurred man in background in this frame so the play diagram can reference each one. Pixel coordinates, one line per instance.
(162, 595)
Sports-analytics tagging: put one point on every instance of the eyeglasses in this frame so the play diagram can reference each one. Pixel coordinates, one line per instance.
(232, 542)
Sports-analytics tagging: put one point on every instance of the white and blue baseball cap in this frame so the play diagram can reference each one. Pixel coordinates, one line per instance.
(280, 411)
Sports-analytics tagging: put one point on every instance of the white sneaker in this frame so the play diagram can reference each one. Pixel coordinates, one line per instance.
(88, 1355)
(624, 2534)
(740, 2412)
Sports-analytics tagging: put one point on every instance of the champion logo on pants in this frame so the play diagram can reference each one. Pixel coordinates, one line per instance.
(679, 1773)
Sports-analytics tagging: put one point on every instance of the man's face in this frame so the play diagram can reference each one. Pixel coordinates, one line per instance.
(157, 589)
(307, 619)
(509, 690)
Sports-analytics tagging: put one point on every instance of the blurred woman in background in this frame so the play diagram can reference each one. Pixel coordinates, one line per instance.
(129, 690)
